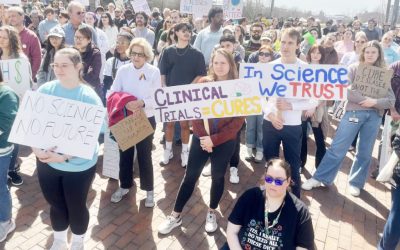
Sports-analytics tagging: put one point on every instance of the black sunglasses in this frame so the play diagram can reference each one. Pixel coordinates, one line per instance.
(277, 181)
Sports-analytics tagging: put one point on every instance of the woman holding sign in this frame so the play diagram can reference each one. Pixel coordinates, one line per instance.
(11, 48)
(214, 139)
(65, 180)
(363, 115)
(276, 219)
(138, 78)
(8, 111)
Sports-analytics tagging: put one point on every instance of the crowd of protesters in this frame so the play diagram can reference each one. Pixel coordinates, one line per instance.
(113, 56)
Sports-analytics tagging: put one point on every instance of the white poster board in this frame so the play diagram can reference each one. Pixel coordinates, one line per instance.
(110, 157)
(84, 2)
(198, 8)
(302, 81)
(10, 2)
(233, 9)
(16, 74)
(141, 5)
(45, 121)
(208, 100)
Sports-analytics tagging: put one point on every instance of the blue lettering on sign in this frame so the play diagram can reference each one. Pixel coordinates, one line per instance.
(308, 75)
(250, 72)
(277, 88)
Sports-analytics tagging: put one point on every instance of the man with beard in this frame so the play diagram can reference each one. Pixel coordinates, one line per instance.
(180, 64)
(141, 29)
(209, 37)
(371, 31)
(254, 43)
(117, 18)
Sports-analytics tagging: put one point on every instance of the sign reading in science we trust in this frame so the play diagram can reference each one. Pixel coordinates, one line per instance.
(305, 81)
(208, 100)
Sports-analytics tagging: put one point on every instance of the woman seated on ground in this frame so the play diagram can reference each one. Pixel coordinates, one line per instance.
(276, 219)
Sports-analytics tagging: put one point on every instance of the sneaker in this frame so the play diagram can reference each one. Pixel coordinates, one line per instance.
(59, 245)
(170, 223)
(166, 157)
(211, 222)
(207, 170)
(77, 246)
(5, 229)
(234, 177)
(249, 156)
(354, 191)
(119, 194)
(184, 158)
(259, 157)
(149, 199)
(16, 179)
(310, 184)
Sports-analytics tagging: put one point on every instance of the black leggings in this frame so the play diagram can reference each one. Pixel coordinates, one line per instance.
(66, 192)
(219, 158)
(143, 149)
(234, 162)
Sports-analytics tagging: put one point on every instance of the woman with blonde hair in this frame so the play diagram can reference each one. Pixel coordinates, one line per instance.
(137, 79)
(363, 115)
(215, 142)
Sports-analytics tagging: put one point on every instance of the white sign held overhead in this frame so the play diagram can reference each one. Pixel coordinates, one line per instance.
(233, 9)
(198, 8)
(141, 5)
(11, 2)
(46, 121)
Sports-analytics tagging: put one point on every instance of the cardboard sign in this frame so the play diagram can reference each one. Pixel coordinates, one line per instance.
(45, 121)
(302, 81)
(84, 2)
(372, 81)
(18, 2)
(198, 8)
(208, 100)
(132, 130)
(233, 9)
(141, 5)
(16, 74)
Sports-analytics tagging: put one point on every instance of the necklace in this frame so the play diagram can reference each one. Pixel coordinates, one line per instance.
(275, 221)
(186, 50)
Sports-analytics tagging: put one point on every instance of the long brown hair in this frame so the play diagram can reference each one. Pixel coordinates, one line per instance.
(15, 46)
(380, 61)
(321, 51)
(233, 73)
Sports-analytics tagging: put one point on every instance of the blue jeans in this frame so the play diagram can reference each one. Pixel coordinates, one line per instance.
(254, 132)
(5, 196)
(290, 137)
(391, 231)
(367, 127)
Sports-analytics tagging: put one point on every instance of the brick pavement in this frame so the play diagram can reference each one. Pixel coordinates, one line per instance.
(340, 220)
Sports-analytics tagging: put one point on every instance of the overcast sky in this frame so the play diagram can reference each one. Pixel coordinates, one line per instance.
(333, 7)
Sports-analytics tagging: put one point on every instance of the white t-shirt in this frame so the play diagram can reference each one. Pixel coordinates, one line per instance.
(138, 82)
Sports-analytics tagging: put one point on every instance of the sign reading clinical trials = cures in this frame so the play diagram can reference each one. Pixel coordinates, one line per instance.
(321, 82)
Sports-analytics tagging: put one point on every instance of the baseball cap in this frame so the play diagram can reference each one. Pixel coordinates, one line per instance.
(57, 31)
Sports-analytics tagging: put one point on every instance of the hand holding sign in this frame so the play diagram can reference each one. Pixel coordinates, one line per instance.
(368, 102)
(282, 105)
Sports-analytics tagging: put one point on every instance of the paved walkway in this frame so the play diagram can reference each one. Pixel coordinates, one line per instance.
(340, 220)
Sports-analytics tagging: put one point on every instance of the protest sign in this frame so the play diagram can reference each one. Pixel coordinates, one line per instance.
(141, 5)
(372, 81)
(198, 8)
(16, 74)
(110, 157)
(208, 100)
(303, 81)
(233, 9)
(84, 2)
(45, 121)
(18, 2)
(131, 130)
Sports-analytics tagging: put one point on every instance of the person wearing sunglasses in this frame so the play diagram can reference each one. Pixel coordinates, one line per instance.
(276, 219)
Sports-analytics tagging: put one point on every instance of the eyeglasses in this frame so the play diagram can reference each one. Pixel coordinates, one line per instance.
(60, 66)
(185, 30)
(277, 181)
(264, 54)
(133, 54)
